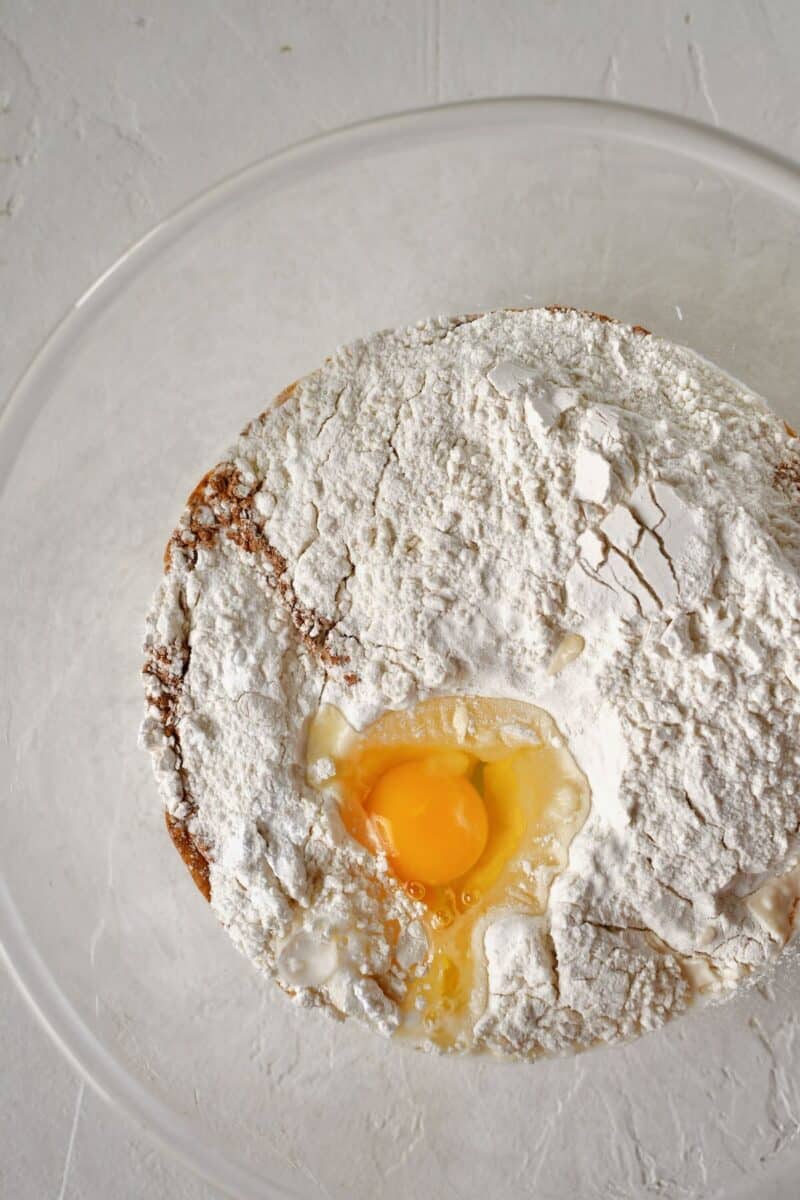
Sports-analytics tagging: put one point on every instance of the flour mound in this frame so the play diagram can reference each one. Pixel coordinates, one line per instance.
(431, 513)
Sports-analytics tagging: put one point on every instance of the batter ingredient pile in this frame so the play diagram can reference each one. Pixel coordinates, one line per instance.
(473, 684)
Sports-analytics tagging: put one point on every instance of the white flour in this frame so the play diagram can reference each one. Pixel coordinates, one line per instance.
(433, 512)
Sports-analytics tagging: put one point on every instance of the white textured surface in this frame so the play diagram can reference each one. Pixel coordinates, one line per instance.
(113, 114)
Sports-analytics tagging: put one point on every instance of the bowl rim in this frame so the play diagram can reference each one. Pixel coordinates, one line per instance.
(762, 167)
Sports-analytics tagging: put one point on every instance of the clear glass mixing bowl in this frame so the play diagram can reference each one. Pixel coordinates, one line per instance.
(514, 202)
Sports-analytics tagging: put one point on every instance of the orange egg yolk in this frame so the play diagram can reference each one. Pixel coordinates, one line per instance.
(430, 819)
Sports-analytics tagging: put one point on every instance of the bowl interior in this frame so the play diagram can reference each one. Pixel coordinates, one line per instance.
(138, 393)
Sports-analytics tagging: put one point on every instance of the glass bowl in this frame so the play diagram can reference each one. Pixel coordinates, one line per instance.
(658, 221)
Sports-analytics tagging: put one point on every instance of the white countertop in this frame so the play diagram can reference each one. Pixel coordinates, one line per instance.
(112, 114)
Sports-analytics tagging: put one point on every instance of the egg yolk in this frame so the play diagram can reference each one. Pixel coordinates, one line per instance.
(431, 820)
(474, 802)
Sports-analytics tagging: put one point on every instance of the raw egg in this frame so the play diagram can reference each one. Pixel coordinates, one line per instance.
(474, 803)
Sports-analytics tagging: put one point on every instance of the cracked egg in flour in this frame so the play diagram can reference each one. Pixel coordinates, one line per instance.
(474, 803)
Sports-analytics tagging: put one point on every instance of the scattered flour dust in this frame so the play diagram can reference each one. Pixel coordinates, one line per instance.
(432, 512)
